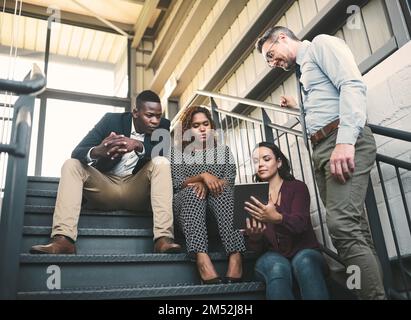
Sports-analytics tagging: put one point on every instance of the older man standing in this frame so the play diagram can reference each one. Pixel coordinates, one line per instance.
(344, 150)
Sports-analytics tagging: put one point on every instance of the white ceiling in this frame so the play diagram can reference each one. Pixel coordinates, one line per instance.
(66, 40)
(113, 10)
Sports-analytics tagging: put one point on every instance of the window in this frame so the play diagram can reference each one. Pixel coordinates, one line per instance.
(87, 61)
(67, 122)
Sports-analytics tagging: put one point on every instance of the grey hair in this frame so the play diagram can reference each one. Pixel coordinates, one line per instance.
(272, 33)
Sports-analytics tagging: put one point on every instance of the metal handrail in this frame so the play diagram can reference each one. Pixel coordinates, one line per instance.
(35, 84)
(390, 132)
(253, 103)
(271, 125)
(249, 102)
(12, 209)
(23, 123)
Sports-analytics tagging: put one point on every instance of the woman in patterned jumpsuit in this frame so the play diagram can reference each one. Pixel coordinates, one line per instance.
(203, 178)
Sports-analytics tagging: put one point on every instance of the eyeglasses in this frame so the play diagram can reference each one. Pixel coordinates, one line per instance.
(269, 56)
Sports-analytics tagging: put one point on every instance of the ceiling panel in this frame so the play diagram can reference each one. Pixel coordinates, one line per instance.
(88, 38)
(30, 34)
(97, 45)
(113, 10)
(76, 42)
(106, 48)
(64, 40)
(41, 36)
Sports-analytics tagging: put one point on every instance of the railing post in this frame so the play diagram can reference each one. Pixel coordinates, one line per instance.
(269, 136)
(378, 236)
(214, 113)
(216, 119)
(12, 213)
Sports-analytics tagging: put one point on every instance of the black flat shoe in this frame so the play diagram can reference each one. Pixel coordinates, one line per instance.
(216, 280)
(232, 280)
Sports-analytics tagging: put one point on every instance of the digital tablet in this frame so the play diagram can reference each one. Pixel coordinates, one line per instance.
(242, 193)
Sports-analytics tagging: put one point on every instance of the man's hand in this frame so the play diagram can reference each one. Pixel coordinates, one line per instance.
(342, 162)
(115, 145)
(200, 189)
(214, 184)
(287, 102)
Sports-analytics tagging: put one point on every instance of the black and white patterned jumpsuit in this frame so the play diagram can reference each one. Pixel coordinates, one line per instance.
(190, 211)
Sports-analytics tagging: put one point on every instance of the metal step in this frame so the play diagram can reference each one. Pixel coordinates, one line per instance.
(243, 291)
(96, 241)
(107, 241)
(36, 215)
(42, 183)
(83, 271)
(41, 197)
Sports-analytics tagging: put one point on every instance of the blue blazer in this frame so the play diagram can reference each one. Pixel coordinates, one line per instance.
(119, 123)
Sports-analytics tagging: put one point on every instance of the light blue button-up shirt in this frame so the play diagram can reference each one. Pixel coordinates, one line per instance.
(332, 87)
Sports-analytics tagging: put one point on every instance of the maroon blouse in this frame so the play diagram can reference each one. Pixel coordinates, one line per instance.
(295, 232)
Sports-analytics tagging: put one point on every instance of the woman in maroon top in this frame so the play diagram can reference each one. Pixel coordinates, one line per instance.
(281, 230)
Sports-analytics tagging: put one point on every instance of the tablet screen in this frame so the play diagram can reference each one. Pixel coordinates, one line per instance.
(242, 193)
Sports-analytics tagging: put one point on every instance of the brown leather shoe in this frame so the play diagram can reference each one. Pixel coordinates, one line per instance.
(58, 245)
(166, 245)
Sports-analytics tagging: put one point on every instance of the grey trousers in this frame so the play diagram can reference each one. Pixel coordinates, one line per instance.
(346, 220)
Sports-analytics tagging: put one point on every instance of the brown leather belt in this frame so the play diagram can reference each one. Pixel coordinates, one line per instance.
(324, 132)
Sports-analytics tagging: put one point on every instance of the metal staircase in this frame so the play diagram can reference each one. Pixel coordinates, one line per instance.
(115, 261)
(114, 258)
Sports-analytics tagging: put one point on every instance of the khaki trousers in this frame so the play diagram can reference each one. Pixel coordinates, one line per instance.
(152, 184)
(346, 220)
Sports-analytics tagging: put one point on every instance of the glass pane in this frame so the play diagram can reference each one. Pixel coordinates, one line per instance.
(27, 37)
(86, 60)
(67, 122)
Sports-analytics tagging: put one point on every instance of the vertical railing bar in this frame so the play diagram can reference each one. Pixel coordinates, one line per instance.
(317, 197)
(249, 149)
(236, 148)
(242, 149)
(299, 157)
(289, 153)
(394, 233)
(255, 136)
(223, 138)
(262, 133)
(404, 200)
(278, 139)
(226, 133)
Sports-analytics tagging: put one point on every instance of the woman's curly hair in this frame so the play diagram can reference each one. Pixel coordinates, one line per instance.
(187, 120)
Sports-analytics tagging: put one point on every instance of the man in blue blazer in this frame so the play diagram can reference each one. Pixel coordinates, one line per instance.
(114, 167)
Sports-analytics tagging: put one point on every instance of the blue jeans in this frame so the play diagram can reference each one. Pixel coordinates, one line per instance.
(307, 267)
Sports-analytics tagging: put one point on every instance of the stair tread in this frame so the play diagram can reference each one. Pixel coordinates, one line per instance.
(43, 179)
(36, 230)
(118, 258)
(147, 291)
(41, 192)
(123, 213)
